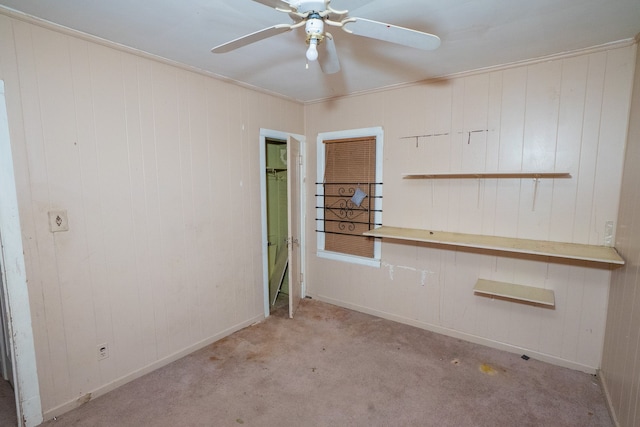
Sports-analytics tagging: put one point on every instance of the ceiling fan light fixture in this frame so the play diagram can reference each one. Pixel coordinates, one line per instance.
(314, 27)
(312, 52)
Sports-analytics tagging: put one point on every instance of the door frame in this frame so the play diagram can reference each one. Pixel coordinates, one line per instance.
(15, 287)
(284, 136)
(6, 361)
(294, 222)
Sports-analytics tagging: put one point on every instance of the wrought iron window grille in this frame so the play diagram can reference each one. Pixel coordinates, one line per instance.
(339, 208)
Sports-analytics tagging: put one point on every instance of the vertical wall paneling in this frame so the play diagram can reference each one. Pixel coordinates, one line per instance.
(114, 202)
(221, 187)
(547, 115)
(595, 292)
(474, 132)
(60, 141)
(539, 147)
(623, 308)
(613, 132)
(142, 335)
(153, 293)
(410, 124)
(569, 134)
(620, 363)
(455, 190)
(81, 223)
(57, 378)
(197, 157)
(171, 202)
(492, 157)
(233, 204)
(251, 196)
(511, 131)
(185, 146)
(583, 216)
(157, 168)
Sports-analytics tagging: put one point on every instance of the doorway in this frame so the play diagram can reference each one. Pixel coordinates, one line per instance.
(282, 194)
(277, 223)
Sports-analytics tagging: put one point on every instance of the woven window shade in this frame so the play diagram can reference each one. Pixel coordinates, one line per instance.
(350, 164)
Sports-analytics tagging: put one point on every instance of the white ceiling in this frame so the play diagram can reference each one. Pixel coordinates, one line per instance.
(474, 33)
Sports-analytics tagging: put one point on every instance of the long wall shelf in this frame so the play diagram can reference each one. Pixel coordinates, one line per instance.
(575, 251)
(486, 175)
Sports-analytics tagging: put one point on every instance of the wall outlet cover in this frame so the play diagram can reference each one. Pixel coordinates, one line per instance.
(103, 351)
(58, 221)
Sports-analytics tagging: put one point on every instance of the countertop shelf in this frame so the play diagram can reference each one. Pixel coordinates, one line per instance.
(452, 175)
(575, 251)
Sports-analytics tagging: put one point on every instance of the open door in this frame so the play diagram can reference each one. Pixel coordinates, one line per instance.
(293, 210)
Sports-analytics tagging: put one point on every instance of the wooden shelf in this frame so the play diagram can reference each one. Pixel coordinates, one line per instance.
(487, 175)
(575, 251)
(519, 293)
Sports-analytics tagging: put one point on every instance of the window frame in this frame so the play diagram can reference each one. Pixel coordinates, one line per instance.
(378, 133)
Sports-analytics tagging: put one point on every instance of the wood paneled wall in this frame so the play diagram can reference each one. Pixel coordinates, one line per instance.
(621, 358)
(158, 169)
(565, 114)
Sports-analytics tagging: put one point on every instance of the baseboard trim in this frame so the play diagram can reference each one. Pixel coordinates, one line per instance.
(554, 360)
(104, 389)
(607, 396)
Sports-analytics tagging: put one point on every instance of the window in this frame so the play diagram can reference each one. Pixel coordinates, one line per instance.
(349, 194)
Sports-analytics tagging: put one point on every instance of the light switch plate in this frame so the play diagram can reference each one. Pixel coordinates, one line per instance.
(58, 221)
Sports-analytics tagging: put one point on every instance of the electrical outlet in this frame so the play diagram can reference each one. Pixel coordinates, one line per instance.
(58, 221)
(103, 351)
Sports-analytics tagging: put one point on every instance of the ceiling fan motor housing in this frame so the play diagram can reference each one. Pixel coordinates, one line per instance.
(314, 27)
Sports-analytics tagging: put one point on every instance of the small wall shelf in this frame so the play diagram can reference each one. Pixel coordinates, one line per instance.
(535, 175)
(575, 251)
(518, 293)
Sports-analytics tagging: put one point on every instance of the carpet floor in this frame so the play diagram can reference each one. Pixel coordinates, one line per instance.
(335, 367)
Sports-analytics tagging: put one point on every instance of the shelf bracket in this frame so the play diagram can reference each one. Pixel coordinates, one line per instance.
(535, 193)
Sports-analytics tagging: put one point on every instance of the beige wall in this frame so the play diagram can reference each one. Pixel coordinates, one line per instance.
(158, 168)
(621, 359)
(567, 114)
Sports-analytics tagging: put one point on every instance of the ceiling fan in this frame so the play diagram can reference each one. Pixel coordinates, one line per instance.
(314, 14)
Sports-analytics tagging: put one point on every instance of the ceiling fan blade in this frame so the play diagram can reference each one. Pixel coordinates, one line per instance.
(276, 4)
(328, 58)
(391, 33)
(348, 4)
(251, 38)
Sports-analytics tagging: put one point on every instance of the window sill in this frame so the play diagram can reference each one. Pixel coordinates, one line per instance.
(336, 256)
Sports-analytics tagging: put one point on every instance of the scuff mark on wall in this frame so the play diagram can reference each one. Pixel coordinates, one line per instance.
(423, 273)
(84, 399)
(390, 268)
(423, 276)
